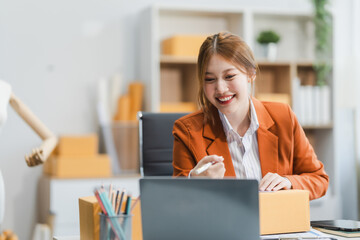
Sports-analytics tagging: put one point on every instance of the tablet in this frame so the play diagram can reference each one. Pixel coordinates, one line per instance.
(342, 225)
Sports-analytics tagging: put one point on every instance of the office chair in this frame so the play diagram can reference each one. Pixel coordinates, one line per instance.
(156, 142)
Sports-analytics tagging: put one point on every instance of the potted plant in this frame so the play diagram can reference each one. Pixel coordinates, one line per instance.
(268, 40)
(323, 41)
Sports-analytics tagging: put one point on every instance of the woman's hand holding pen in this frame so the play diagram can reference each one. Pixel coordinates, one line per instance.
(211, 166)
(274, 182)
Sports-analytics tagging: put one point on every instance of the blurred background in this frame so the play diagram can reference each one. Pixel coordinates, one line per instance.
(74, 62)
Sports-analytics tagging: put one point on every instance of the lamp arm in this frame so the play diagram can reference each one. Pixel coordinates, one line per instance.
(38, 155)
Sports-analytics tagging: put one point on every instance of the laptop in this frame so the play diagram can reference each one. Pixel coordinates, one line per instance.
(181, 208)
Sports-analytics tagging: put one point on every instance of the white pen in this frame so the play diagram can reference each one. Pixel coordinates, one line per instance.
(203, 168)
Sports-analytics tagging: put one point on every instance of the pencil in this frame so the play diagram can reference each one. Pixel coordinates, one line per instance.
(96, 192)
(110, 191)
(117, 201)
(128, 204)
(121, 201)
(113, 194)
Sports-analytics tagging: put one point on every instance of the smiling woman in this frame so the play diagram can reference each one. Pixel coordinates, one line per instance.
(225, 87)
(236, 135)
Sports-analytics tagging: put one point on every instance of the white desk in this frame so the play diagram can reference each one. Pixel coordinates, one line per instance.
(78, 238)
(67, 238)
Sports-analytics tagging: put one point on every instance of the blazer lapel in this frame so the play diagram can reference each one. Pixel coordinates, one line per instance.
(267, 141)
(217, 144)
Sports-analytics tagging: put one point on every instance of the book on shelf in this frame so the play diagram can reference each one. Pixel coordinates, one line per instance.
(355, 234)
(311, 104)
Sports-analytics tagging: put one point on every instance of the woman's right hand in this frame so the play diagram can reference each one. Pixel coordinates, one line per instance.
(216, 170)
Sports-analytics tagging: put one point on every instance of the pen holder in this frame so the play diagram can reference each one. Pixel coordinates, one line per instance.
(115, 228)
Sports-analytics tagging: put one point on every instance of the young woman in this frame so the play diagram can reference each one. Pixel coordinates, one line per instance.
(236, 135)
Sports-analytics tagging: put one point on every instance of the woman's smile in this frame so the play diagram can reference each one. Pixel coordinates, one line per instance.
(223, 100)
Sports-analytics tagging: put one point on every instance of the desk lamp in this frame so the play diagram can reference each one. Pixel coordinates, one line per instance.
(38, 155)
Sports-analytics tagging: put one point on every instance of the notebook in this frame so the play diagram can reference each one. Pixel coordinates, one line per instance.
(181, 208)
(345, 228)
(341, 225)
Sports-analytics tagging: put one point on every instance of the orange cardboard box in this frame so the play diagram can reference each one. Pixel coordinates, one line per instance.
(183, 45)
(136, 90)
(89, 211)
(171, 85)
(82, 145)
(284, 211)
(73, 167)
(275, 97)
(178, 107)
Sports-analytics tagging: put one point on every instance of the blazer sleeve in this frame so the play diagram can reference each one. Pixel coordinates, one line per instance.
(308, 171)
(183, 159)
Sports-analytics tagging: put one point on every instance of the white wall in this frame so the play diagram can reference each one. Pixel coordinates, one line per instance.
(356, 82)
(52, 53)
(346, 94)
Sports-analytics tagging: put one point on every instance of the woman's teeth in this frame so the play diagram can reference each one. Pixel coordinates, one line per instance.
(224, 99)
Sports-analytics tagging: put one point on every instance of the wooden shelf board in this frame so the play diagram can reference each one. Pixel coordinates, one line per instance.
(323, 126)
(305, 63)
(261, 62)
(178, 59)
(299, 63)
(264, 62)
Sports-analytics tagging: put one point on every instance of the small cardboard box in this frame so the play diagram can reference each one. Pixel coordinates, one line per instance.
(183, 45)
(82, 145)
(89, 211)
(274, 97)
(178, 107)
(284, 211)
(73, 167)
(171, 85)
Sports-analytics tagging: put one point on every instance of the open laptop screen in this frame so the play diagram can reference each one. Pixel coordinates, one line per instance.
(181, 208)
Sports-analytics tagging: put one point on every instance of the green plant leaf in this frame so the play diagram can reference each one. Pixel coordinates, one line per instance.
(268, 37)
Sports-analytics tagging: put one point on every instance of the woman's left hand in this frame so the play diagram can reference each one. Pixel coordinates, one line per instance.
(274, 182)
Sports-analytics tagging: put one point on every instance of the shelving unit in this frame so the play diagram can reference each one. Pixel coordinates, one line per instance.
(294, 60)
(295, 50)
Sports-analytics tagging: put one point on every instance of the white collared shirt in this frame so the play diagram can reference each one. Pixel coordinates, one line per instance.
(244, 150)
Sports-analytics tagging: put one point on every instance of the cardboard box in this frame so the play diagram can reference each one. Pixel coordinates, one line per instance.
(83, 145)
(90, 220)
(73, 167)
(274, 97)
(126, 141)
(136, 90)
(123, 108)
(284, 211)
(178, 107)
(89, 210)
(183, 45)
(171, 86)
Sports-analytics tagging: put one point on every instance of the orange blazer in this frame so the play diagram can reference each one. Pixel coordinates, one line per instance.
(283, 147)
